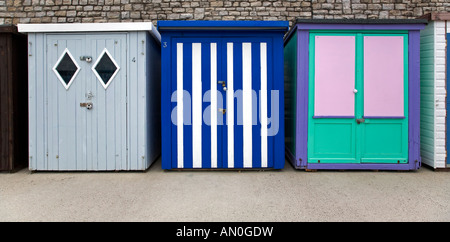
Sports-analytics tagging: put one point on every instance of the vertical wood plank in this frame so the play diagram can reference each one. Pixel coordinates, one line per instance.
(263, 105)
(153, 99)
(133, 103)
(230, 105)
(196, 105)
(141, 102)
(180, 109)
(32, 129)
(214, 107)
(4, 104)
(41, 134)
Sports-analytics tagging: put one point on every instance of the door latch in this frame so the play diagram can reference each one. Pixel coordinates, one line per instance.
(86, 105)
(222, 110)
(360, 120)
(223, 85)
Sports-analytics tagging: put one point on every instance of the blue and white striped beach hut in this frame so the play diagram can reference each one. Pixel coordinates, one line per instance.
(222, 94)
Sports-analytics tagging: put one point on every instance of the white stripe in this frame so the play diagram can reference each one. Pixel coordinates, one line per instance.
(214, 108)
(197, 105)
(180, 151)
(230, 106)
(263, 105)
(247, 102)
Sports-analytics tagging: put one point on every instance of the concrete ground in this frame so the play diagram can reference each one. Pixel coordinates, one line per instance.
(286, 195)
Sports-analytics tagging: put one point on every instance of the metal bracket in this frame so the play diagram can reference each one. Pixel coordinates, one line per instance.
(360, 120)
(88, 59)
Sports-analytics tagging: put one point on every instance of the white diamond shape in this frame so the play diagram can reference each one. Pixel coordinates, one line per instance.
(57, 73)
(96, 63)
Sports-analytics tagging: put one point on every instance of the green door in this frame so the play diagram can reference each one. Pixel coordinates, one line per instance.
(358, 102)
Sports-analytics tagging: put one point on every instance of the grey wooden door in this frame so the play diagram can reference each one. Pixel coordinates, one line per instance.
(86, 102)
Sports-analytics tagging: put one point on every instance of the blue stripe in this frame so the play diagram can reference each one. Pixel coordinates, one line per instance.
(278, 77)
(221, 76)
(270, 87)
(282, 25)
(238, 115)
(173, 126)
(206, 85)
(256, 86)
(166, 109)
(187, 85)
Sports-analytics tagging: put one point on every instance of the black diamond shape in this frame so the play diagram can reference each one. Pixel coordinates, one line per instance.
(105, 68)
(66, 68)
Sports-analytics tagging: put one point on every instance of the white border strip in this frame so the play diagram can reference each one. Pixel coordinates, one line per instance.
(89, 27)
(247, 103)
(263, 105)
(180, 151)
(214, 109)
(197, 105)
(230, 106)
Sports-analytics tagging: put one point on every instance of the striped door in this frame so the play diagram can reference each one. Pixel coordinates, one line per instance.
(358, 101)
(81, 137)
(220, 103)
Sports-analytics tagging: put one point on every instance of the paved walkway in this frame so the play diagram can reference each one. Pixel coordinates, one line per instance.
(286, 195)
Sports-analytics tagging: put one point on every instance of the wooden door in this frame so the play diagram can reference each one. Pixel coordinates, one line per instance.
(86, 102)
(358, 105)
(221, 103)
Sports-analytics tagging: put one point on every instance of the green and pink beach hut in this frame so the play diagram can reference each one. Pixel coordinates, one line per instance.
(352, 94)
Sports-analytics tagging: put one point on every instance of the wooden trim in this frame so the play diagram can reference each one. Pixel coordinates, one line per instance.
(13, 104)
(436, 16)
(90, 27)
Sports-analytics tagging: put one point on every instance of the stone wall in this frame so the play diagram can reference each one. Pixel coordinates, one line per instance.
(88, 11)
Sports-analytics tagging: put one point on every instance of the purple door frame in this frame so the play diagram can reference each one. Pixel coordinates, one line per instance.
(299, 157)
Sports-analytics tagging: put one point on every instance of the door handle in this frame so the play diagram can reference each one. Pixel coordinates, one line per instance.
(86, 105)
(360, 120)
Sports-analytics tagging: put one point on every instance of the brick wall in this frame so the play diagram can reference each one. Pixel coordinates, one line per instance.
(68, 11)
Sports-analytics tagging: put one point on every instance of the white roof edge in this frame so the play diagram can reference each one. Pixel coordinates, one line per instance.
(89, 27)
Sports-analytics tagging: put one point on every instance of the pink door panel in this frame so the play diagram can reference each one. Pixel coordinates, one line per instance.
(334, 76)
(383, 76)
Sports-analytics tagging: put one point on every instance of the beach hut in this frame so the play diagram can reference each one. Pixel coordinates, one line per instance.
(94, 96)
(353, 94)
(222, 94)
